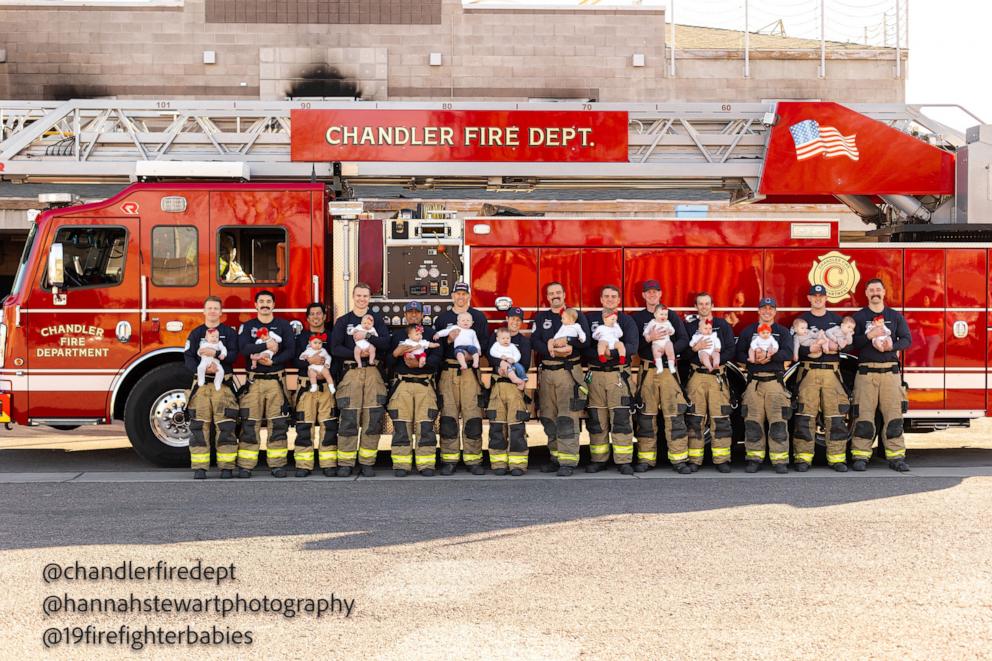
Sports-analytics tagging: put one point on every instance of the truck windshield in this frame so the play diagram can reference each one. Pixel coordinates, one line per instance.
(23, 265)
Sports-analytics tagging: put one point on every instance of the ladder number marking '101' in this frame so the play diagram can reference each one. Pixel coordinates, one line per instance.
(163, 104)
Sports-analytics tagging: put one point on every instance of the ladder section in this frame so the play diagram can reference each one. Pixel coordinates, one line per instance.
(679, 145)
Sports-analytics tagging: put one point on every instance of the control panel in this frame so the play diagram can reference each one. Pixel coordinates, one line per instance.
(421, 272)
(392, 311)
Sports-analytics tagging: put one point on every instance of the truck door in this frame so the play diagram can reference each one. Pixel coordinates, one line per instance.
(262, 240)
(924, 299)
(81, 338)
(965, 326)
(174, 274)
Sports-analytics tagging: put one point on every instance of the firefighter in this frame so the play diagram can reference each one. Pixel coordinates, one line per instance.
(878, 385)
(316, 412)
(610, 396)
(507, 411)
(264, 396)
(821, 391)
(361, 392)
(561, 391)
(413, 405)
(709, 392)
(209, 406)
(660, 390)
(765, 399)
(460, 389)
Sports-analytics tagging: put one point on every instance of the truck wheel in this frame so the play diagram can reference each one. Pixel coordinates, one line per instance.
(155, 417)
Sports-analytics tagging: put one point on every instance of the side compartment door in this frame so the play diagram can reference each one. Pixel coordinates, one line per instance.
(965, 382)
(924, 299)
(261, 241)
(80, 340)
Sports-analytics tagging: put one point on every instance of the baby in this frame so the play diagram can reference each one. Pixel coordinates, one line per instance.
(364, 348)
(709, 358)
(466, 343)
(813, 339)
(762, 341)
(569, 328)
(315, 347)
(880, 342)
(608, 335)
(264, 335)
(415, 339)
(838, 337)
(506, 350)
(211, 341)
(663, 347)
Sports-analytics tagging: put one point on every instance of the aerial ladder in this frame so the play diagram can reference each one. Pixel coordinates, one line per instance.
(703, 146)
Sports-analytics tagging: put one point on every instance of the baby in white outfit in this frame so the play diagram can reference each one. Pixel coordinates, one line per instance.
(466, 342)
(211, 341)
(364, 348)
(762, 341)
(709, 358)
(569, 328)
(315, 347)
(663, 347)
(264, 335)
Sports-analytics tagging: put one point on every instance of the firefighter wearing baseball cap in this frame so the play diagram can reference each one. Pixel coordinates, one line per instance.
(708, 392)
(821, 391)
(507, 411)
(561, 392)
(878, 385)
(460, 389)
(659, 390)
(765, 399)
(265, 395)
(316, 412)
(413, 405)
(361, 392)
(610, 395)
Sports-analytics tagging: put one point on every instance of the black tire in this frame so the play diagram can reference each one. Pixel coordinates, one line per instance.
(64, 427)
(146, 391)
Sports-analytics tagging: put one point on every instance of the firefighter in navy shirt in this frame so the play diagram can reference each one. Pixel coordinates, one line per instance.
(561, 392)
(207, 405)
(878, 385)
(507, 411)
(708, 392)
(659, 390)
(765, 399)
(265, 395)
(413, 405)
(610, 395)
(316, 412)
(361, 392)
(821, 390)
(460, 389)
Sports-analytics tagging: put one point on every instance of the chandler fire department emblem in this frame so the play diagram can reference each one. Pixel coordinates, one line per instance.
(837, 272)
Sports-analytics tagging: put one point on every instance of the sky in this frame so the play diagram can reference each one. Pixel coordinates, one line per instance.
(948, 39)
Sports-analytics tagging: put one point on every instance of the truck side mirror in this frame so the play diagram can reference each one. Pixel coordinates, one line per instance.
(56, 267)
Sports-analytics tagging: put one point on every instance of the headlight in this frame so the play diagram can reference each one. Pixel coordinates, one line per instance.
(3, 343)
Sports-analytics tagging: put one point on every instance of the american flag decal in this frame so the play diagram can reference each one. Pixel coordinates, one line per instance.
(812, 139)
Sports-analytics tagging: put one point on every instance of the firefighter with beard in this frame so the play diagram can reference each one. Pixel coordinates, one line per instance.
(209, 406)
(507, 412)
(660, 390)
(610, 395)
(316, 412)
(880, 333)
(361, 392)
(265, 395)
(561, 392)
(709, 392)
(460, 389)
(413, 405)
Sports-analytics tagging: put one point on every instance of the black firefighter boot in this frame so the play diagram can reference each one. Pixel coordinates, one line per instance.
(199, 474)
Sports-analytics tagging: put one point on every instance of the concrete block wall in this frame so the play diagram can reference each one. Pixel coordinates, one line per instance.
(380, 48)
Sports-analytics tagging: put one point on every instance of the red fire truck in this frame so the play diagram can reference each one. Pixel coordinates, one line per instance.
(106, 293)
